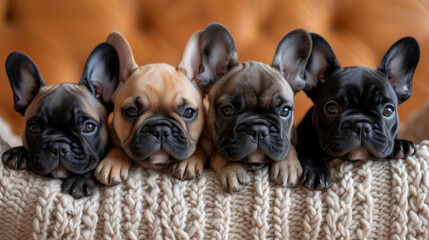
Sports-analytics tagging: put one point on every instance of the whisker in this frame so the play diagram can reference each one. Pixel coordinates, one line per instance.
(224, 139)
(224, 147)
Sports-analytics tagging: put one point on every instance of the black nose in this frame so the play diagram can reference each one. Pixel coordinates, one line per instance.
(161, 131)
(258, 131)
(359, 127)
(59, 148)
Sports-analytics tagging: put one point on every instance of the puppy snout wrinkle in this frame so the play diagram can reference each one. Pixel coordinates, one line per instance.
(59, 148)
(362, 127)
(359, 127)
(258, 131)
(161, 131)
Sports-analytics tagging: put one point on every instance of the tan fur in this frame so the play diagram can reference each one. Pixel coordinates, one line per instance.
(114, 168)
(232, 176)
(125, 57)
(288, 171)
(34, 105)
(160, 88)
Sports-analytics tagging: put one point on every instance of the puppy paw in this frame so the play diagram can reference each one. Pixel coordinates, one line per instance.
(403, 149)
(188, 169)
(15, 158)
(286, 172)
(316, 177)
(233, 177)
(78, 186)
(112, 170)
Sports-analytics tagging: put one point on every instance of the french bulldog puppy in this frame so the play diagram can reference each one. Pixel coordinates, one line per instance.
(354, 116)
(157, 120)
(66, 132)
(250, 113)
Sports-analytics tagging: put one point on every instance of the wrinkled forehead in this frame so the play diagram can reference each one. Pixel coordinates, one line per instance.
(255, 84)
(161, 83)
(64, 100)
(361, 83)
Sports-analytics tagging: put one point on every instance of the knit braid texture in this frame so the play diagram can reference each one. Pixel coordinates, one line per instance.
(377, 199)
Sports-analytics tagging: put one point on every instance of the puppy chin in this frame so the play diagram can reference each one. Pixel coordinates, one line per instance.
(159, 158)
(158, 161)
(354, 149)
(60, 172)
(57, 171)
(256, 157)
(357, 154)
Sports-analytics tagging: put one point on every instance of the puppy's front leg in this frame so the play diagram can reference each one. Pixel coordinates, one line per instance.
(190, 168)
(315, 174)
(403, 149)
(79, 186)
(16, 158)
(287, 171)
(114, 168)
(232, 176)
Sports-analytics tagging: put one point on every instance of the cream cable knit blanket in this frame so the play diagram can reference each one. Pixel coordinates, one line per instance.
(372, 200)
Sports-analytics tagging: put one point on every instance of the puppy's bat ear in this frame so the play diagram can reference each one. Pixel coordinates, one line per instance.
(291, 57)
(218, 55)
(25, 79)
(322, 62)
(127, 64)
(399, 64)
(101, 73)
(191, 59)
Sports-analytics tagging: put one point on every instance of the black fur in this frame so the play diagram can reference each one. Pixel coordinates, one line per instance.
(63, 133)
(347, 120)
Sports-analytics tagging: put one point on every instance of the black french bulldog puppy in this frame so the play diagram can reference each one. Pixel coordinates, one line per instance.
(66, 132)
(354, 116)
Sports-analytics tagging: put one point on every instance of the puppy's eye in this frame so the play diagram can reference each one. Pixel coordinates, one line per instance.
(227, 111)
(189, 113)
(285, 112)
(331, 107)
(131, 112)
(89, 127)
(34, 128)
(388, 111)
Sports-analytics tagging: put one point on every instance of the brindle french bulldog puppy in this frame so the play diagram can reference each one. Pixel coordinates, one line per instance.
(250, 113)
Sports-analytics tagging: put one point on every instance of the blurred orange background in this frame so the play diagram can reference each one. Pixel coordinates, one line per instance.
(59, 35)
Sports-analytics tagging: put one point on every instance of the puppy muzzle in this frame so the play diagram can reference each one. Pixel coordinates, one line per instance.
(358, 138)
(61, 157)
(160, 141)
(255, 141)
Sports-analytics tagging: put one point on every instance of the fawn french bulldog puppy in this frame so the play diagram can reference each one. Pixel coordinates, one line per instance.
(66, 131)
(157, 120)
(250, 113)
(354, 116)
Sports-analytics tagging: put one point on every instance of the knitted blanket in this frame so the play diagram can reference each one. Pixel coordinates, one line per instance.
(368, 200)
